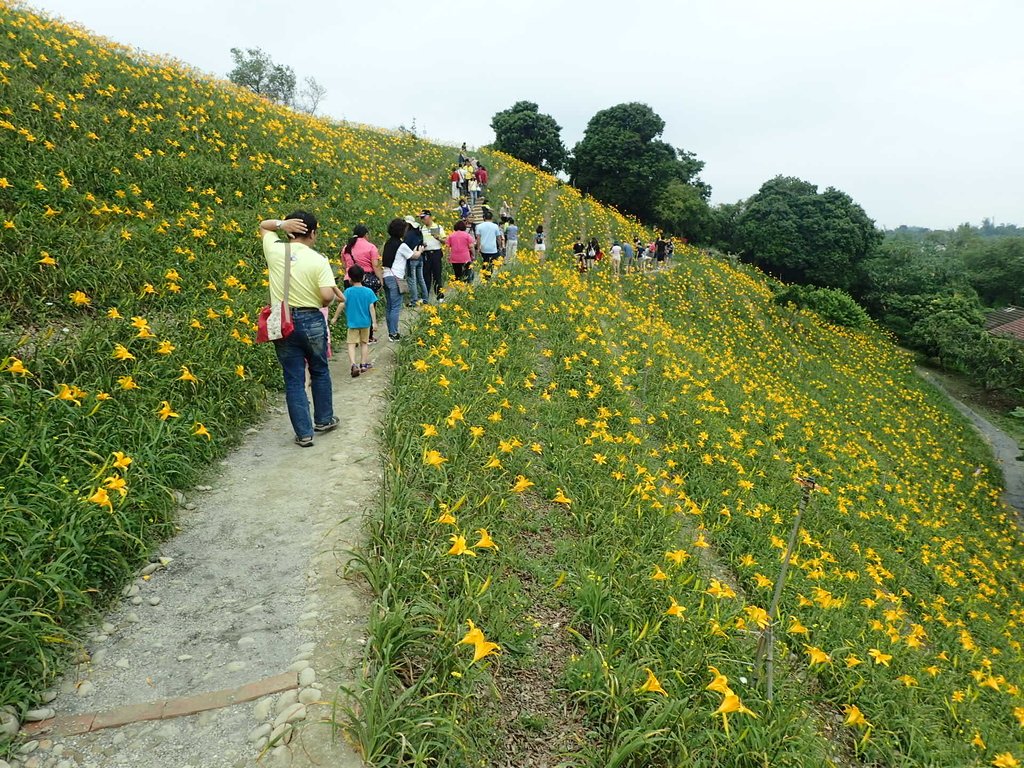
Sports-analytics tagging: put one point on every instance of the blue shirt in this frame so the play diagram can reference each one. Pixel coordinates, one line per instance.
(488, 232)
(358, 300)
(512, 233)
(628, 249)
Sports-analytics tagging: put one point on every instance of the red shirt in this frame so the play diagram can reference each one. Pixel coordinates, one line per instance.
(460, 242)
(481, 175)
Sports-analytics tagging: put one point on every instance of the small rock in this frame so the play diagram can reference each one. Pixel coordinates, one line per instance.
(298, 666)
(99, 656)
(339, 457)
(262, 709)
(4, 763)
(285, 700)
(304, 655)
(122, 664)
(190, 506)
(37, 715)
(136, 600)
(235, 666)
(308, 616)
(306, 648)
(100, 638)
(259, 732)
(251, 431)
(65, 764)
(257, 454)
(204, 487)
(154, 601)
(34, 762)
(281, 734)
(86, 688)
(310, 695)
(280, 757)
(131, 590)
(307, 677)
(185, 657)
(132, 618)
(244, 641)
(58, 750)
(179, 497)
(47, 696)
(45, 745)
(29, 746)
(9, 724)
(151, 568)
(295, 712)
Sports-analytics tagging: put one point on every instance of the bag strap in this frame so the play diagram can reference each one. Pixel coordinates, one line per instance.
(286, 311)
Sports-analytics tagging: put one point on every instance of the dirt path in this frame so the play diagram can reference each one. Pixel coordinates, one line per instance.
(249, 605)
(1004, 447)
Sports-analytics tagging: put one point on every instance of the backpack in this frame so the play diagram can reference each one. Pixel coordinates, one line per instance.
(539, 239)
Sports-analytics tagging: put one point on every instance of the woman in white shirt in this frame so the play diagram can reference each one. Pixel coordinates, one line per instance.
(394, 256)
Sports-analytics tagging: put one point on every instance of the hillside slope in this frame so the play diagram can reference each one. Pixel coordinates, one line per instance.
(601, 480)
(130, 192)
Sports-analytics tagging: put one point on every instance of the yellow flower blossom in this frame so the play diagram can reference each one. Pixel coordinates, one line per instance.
(165, 412)
(651, 685)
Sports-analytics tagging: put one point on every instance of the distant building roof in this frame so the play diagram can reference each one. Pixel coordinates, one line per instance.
(1014, 329)
(1000, 317)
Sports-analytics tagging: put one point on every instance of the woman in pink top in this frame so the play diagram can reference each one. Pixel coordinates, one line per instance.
(359, 250)
(460, 244)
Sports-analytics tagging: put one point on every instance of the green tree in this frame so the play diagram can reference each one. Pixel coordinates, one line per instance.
(255, 70)
(680, 210)
(791, 230)
(523, 132)
(621, 161)
(995, 267)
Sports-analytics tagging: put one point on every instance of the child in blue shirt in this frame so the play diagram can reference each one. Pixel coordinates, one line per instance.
(358, 306)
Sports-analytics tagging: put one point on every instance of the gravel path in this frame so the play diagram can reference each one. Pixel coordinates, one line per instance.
(1004, 447)
(251, 588)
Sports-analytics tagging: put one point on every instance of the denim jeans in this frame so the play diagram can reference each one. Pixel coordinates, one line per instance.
(306, 346)
(414, 276)
(394, 298)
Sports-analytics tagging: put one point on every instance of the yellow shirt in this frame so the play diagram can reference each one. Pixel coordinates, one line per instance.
(310, 272)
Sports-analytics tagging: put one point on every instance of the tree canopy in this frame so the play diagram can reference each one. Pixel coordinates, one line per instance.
(801, 235)
(621, 161)
(255, 70)
(535, 138)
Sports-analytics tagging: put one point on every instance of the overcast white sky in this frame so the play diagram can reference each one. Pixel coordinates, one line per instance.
(913, 107)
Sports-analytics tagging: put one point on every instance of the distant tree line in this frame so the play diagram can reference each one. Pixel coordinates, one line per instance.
(931, 289)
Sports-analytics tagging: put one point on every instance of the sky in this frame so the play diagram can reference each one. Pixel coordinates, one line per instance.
(912, 107)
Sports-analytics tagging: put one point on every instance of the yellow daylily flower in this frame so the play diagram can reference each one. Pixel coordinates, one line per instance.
(651, 685)
(459, 546)
(166, 412)
(521, 484)
(485, 540)
(855, 717)
(433, 458)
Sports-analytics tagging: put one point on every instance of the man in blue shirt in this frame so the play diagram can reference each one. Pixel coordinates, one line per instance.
(488, 243)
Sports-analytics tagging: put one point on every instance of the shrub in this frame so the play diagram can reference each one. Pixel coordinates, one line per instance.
(834, 305)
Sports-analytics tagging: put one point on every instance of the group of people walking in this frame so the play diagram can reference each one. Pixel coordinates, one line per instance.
(408, 270)
(636, 255)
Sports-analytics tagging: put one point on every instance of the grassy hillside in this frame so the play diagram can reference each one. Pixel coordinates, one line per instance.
(130, 193)
(631, 450)
(601, 475)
